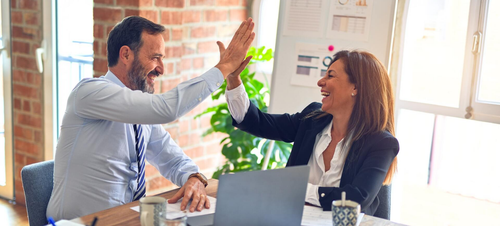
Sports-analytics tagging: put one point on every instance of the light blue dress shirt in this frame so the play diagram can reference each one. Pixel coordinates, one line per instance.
(96, 161)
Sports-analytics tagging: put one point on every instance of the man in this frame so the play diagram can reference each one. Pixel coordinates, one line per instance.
(112, 124)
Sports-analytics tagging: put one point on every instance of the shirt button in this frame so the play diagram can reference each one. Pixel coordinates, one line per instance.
(322, 195)
(199, 99)
(218, 84)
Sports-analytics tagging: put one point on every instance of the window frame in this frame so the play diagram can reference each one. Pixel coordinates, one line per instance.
(469, 84)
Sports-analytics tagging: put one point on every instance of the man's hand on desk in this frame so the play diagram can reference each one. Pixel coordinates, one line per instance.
(195, 190)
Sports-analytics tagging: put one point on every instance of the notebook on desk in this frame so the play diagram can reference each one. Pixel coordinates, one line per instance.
(271, 197)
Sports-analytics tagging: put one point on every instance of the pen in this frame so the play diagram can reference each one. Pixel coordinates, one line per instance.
(51, 221)
(94, 221)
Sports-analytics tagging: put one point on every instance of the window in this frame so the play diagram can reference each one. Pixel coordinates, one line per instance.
(448, 110)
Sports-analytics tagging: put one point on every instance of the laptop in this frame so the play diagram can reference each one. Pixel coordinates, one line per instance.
(270, 197)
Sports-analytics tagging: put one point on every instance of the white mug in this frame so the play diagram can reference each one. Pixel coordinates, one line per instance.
(152, 210)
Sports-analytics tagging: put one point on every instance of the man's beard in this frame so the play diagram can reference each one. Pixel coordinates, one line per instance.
(137, 77)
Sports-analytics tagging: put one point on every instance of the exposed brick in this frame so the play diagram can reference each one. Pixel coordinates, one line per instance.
(17, 104)
(98, 31)
(237, 14)
(170, 3)
(28, 120)
(107, 2)
(26, 106)
(227, 2)
(19, 159)
(31, 18)
(183, 126)
(25, 91)
(176, 34)
(20, 47)
(169, 84)
(95, 47)
(198, 63)
(189, 48)
(30, 4)
(205, 121)
(207, 163)
(185, 64)
(27, 147)
(25, 33)
(157, 183)
(174, 132)
(169, 68)
(213, 149)
(171, 17)
(151, 15)
(215, 15)
(37, 108)
(14, 4)
(34, 78)
(151, 171)
(30, 160)
(202, 32)
(100, 65)
(195, 152)
(183, 140)
(112, 15)
(38, 136)
(201, 2)
(19, 76)
(173, 51)
(104, 49)
(208, 47)
(26, 63)
(127, 3)
(191, 16)
(23, 132)
(16, 17)
(226, 30)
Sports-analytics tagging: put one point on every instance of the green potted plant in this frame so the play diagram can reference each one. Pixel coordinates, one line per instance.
(244, 152)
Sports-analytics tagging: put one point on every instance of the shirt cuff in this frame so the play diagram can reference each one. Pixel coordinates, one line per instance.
(236, 92)
(312, 196)
(214, 78)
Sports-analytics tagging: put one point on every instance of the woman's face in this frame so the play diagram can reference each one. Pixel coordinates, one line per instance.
(337, 90)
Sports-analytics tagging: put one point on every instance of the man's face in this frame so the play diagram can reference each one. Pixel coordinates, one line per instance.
(147, 64)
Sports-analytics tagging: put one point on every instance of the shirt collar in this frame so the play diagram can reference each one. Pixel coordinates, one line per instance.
(327, 134)
(112, 77)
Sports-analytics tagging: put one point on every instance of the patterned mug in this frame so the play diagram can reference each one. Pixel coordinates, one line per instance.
(152, 210)
(346, 215)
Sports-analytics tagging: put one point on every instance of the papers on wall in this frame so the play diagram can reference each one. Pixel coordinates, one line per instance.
(305, 18)
(349, 19)
(316, 216)
(176, 207)
(311, 63)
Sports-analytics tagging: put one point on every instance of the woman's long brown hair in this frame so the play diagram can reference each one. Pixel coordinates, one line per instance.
(374, 108)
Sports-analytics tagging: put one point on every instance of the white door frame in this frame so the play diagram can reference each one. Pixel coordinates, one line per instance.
(7, 191)
(49, 70)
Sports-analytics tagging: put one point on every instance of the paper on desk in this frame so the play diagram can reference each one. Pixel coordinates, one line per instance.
(176, 207)
(66, 223)
(316, 216)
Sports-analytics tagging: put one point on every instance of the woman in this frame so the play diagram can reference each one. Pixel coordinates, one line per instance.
(348, 140)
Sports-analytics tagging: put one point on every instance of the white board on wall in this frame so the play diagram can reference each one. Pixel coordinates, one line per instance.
(305, 23)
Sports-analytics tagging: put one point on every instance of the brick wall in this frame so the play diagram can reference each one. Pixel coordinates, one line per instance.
(192, 29)
(26, 87)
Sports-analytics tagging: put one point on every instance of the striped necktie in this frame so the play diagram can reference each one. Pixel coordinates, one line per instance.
(139, 146)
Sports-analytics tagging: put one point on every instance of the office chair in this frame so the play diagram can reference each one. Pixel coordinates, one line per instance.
(384, 207)
(38, 182)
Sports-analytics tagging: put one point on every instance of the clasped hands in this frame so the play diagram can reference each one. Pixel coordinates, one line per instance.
(232, 62)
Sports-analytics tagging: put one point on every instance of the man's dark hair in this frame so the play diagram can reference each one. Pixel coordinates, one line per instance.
(128, 32)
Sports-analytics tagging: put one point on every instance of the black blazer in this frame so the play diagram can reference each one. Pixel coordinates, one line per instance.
(366, 164)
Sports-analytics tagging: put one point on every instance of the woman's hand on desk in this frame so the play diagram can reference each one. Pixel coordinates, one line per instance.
(195, 190)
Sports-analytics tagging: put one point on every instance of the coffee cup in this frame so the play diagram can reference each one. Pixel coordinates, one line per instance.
(152, 210)
(345, 214)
